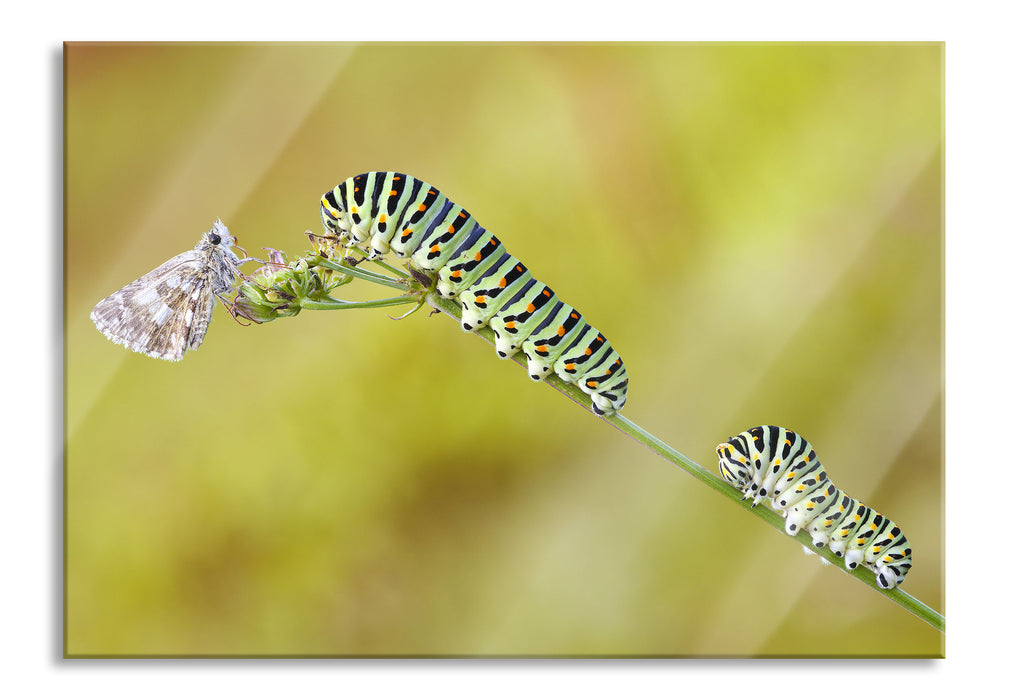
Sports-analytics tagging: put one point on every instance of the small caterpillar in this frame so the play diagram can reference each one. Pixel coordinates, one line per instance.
(387, 211)
(779, 467)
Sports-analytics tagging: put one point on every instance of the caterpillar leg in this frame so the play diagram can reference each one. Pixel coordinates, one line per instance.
(601, 407)
(890, 576)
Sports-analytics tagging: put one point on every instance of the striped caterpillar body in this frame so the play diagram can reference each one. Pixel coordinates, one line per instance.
(776, 466)
(386, 211)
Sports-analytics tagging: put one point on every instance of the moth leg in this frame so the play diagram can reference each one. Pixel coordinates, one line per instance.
(230, 306)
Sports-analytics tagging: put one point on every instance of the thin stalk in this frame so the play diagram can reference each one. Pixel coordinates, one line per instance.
(626, 426)
(360, 273)
(394, 270)
(338, 304)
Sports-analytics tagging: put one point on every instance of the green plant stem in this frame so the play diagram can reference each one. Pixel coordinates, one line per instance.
(359, 272)
(338, 304)
(624, 425)
(386, 266)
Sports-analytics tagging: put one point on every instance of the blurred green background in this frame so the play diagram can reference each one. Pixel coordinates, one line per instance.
(756, 227)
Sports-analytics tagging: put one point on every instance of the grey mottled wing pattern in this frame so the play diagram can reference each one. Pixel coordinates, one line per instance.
(164, 312)
(167, 311)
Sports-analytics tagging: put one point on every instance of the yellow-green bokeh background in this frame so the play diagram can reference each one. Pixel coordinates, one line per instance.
(756, 227)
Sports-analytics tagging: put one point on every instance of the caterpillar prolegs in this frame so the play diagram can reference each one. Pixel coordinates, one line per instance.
(387, 211)
(776, 466)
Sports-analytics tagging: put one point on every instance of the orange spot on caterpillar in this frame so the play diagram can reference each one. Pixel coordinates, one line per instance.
(477, 257)
(422, 207)
(531, 307)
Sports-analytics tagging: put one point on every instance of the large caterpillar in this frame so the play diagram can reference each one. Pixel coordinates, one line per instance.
(777, 466)
(387, 211)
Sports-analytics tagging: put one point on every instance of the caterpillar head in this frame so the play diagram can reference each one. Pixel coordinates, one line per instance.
(734, 464)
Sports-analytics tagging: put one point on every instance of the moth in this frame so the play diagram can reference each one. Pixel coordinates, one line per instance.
(167, 311)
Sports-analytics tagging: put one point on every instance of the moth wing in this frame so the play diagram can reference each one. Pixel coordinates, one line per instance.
(158, 314)
(202, 307)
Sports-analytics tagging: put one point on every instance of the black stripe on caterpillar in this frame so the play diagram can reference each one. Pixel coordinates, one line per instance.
(385, 212)
(776, 466)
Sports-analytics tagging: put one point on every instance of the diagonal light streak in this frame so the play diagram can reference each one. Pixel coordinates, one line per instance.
(259, 84)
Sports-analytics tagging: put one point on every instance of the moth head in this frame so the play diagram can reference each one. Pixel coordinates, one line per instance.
(218, 235)
(734, 463)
